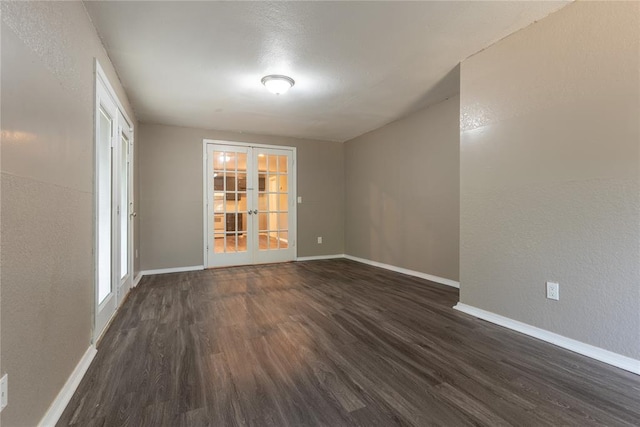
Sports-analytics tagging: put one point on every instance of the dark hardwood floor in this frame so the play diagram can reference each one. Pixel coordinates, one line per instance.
(331, 343)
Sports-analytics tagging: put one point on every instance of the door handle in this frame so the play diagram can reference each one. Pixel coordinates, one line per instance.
(249, 212)
(255, 211)
(134, 214)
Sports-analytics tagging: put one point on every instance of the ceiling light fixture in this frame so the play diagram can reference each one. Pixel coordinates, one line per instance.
(277, 84)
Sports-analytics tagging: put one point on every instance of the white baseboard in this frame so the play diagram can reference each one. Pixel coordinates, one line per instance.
(59, 404)
(172, 270)
(406, 271)
(137, 279)
(317, 257)
(606, 356)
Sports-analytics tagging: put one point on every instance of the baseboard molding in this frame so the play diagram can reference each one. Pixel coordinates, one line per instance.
(317, 257)
(597, 353)
(59, 404)
(406, 271)
(172, 270)
(137, 279)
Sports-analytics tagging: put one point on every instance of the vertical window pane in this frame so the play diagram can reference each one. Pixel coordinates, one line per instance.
(273, 163)
(242, 222)
(263, 222)
(273, 240)
(231, 243)
(218, 202)
(262, 163)
(218, 245)
(262, 202)
(284, 239)
(272, 183)
(283, 223)
(282, 164)
(262, 183)
(124, 207)
(218, 181)
(282, 184)
(219, 223)
(231, 181)
(104, 206)
(273, 202)
(230, 161)
(218, 160)
(242, 182)
(283, 204)
(242, 161)
(242, 202)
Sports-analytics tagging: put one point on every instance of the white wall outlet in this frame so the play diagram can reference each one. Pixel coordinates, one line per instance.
(553, 291)
(136, 253)
(319, 240)
(4, 391)
(299, 199)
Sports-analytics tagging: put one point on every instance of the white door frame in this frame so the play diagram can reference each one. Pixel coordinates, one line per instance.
(105, 94)
(294, 191)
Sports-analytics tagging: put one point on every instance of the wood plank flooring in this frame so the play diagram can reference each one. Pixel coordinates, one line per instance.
(333, 343)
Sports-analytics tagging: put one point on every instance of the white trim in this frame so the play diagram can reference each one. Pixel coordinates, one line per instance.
(406, 271)
(246, 144)
(318, 257)
(61, 401)
(606, 356)
(172, 270)
(137, 279)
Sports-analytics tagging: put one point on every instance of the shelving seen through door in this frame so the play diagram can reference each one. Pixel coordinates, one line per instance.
(249, 204)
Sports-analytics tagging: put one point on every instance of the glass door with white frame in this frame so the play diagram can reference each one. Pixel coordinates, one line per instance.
(250, 196)
(229, 229)
(113, 204)
(274, 200)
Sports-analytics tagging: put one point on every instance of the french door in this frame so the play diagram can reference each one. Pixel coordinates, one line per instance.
(114, 203)
(249, 204)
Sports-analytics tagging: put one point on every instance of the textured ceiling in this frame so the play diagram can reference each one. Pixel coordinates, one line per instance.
(357, 65)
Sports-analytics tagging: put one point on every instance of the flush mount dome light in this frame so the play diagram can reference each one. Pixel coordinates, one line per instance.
(277, 84)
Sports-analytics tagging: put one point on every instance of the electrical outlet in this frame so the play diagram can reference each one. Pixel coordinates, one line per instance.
(319, 240)
(4, 391)
(136, 253)
(299, 199)
(553, 291)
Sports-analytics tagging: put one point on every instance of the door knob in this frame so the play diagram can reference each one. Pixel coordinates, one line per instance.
(249, 212)
(255, 211)
(134, 214)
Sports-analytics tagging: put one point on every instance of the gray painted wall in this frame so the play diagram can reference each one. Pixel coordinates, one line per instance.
(550, 186)
(402, 192)
(171, 193)
(48, 51)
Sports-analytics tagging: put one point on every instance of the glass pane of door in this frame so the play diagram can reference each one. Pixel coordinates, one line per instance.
(124, 206)
(105, 128)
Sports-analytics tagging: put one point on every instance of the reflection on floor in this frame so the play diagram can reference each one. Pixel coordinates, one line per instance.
(265, 243)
